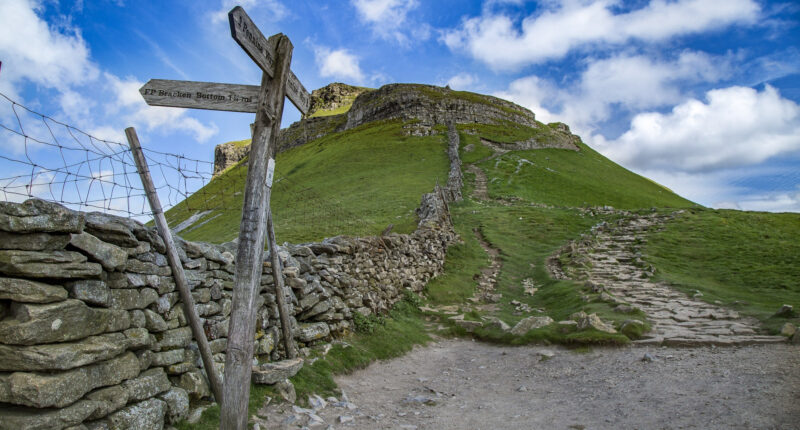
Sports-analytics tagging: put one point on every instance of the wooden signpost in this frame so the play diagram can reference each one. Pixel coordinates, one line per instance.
(273, 56)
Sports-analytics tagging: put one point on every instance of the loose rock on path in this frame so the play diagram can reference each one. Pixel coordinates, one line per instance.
(461, 384)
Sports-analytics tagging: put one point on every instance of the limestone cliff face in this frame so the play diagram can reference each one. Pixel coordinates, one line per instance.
(334, 96)
(228, 154)
(434, 105)
(428, 105)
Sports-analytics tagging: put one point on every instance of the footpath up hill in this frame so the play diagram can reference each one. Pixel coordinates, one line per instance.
(358, 171)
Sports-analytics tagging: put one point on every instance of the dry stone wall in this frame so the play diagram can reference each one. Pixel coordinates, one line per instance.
(92, 333)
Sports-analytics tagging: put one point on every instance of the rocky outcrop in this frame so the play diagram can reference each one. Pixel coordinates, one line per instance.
(432, 105)
(334, 96)
(228, 154)
(424, 106)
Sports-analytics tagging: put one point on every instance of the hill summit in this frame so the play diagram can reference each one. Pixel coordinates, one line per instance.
(339, 107)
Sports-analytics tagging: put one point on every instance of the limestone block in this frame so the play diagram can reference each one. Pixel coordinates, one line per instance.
(36, 215)
(19, 418)
(58, 322)
(110, 229)
(132, 298)
(137, 338)
(48, 264)
(62, 356)
(144, 268)
(33, 241)
(154, 322)
(195, 384)
(177, 338)
(147, 384)
(313, 331)
(272, 373)
(111, 257)
(25, 291)
(42, 390)
(180, 368)
(109, 399)
(146, 415)
(92, 291)
(177, 400)
(165, 358)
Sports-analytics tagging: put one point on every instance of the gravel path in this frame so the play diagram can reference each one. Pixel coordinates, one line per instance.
(461, 384)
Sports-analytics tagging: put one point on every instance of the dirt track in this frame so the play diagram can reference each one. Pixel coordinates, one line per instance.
(460, 384)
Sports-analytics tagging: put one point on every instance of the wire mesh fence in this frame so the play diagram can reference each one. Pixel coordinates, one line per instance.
(41, 157)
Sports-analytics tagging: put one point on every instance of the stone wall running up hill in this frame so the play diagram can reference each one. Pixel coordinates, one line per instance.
(93, 336)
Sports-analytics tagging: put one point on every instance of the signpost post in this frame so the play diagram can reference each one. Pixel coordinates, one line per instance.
(273, 56)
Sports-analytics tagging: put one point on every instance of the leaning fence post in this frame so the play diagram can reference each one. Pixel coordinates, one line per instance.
(175, 264)
(280, 292)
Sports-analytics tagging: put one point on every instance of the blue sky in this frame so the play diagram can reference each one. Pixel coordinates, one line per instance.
(699, 95)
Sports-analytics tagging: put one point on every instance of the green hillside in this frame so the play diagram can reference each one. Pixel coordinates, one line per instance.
(355, 182)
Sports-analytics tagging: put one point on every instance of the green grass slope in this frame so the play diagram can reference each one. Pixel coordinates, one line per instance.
(749, 261)
(354, 182)
(561, 177)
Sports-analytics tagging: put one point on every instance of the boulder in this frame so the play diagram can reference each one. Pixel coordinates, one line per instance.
(58, 322)
(33, 241)
(592, 321)
(110, 256)
(272, 373)
(312, 331)
(36, 215)
(25, 291)
(529, 324)
(788, 330)
(146, 415)
(48, 264)
(177, 400)
(43, 390)
(18, 418)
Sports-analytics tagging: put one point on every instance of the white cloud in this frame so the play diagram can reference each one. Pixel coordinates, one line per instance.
(389, 19)
(498, 41)
(33, 51)
(736, 126)
(338, 64)
(462, 81)
(628, 82)
(130, 104)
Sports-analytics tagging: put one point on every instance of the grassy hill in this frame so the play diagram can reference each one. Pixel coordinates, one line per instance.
(356, 182)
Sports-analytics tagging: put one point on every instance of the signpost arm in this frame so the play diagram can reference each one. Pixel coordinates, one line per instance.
(175, 263)
(250, 253)
(280, 293)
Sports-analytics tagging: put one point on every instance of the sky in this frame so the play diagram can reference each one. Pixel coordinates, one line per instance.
(702, 96)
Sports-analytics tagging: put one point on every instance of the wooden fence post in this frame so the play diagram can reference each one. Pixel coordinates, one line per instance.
(280, 293)
(175, 264)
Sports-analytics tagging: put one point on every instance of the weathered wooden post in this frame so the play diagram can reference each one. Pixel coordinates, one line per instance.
(175, 263)
(273, 56)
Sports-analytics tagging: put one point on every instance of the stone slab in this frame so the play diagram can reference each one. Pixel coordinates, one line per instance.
(27, 291)
(48, 264)
(58, 322)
